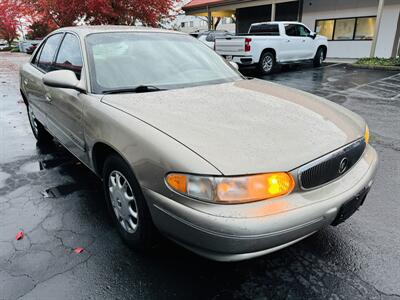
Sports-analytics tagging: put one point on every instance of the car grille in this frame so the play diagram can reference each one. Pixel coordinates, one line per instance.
(331, 166)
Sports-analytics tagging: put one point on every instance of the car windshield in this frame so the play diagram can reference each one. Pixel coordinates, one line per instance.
(125, 60)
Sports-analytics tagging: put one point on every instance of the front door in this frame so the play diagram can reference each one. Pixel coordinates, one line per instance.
(299, 44)
(64, 113)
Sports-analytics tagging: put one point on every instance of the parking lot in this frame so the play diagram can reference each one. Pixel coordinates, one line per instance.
(59, 205)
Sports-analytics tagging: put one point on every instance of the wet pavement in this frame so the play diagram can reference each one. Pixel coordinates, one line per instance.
(59, 205)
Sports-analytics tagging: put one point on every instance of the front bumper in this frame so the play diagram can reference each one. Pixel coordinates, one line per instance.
(238, 232)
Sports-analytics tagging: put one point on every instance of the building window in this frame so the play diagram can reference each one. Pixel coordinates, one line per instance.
(183, 24)
(325, 28)
(344, 29)
(347, 29)
(365, 28)
(191, 23)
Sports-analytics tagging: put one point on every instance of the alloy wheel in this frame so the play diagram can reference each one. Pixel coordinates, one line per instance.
(267, 63)
(123, 201)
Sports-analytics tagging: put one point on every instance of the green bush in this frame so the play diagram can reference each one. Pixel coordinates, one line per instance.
(376, 61)
(15, 50)
(5, 49)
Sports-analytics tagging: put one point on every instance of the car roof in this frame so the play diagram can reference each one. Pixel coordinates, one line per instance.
(86, 30)
(277, 22)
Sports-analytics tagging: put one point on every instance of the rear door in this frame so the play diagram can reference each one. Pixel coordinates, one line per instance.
(33, 73)
(65, 106)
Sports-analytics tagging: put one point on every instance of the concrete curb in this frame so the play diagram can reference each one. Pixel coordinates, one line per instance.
(374, 67)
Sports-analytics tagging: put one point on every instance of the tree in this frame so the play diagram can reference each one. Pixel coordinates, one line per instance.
(39, 29)
(11, 12)
(127, 12)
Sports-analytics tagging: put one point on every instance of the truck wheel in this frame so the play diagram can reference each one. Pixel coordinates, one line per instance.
(319, 57)
(267, 63)
(38, 130)
(126, 204)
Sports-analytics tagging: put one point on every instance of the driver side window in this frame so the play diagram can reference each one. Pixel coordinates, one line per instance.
(69, 56)
(303, 31)
(45, 62)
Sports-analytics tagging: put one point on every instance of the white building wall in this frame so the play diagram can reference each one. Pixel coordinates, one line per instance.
(325, 9)
(193, 23)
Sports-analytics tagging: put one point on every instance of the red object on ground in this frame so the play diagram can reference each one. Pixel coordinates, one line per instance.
(78, 250)
(19, 235)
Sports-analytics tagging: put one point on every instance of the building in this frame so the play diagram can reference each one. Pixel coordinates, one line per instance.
(354, 28)
(188, 23)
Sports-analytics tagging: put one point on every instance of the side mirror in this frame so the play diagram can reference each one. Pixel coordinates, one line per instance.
(65, 79)
(235, 65)
(312, 35)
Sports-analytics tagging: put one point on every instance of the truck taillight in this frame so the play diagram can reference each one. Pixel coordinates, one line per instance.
(247, 46)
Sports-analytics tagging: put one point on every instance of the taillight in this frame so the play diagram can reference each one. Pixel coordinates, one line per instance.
(247, 46)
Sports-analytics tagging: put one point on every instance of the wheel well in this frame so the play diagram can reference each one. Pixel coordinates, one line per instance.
(268, 50)
(325, 50)
(100, 153)
(24, 98)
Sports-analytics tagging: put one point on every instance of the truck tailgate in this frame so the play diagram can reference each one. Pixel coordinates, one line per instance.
(233, 45)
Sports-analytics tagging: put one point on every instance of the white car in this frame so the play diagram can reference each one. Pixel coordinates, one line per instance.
(3, 45)
(271, 43)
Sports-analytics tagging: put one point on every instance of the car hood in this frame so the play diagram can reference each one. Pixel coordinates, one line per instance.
(247, 126)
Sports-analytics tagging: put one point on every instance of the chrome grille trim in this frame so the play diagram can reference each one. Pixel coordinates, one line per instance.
(328, 159)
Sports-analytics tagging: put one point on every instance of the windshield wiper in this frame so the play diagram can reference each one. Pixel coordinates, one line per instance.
(136, 89)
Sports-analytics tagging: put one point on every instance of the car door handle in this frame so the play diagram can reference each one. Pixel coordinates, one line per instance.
(26, 81)
(48, 98)
(304, 41)
(287, 41)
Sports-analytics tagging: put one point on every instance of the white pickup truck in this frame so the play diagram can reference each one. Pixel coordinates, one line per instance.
(271, 43)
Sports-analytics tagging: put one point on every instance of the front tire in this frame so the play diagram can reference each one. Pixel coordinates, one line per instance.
(126, 204)
(319, 57)
(38, 130)
(267, 63)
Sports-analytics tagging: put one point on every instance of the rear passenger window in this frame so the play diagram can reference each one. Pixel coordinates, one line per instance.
(265, 29)
(69, 56)
(36, 58)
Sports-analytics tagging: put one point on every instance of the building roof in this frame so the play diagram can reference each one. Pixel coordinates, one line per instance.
(201, 3)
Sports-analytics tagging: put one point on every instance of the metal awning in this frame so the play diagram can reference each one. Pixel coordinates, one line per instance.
(224, 8)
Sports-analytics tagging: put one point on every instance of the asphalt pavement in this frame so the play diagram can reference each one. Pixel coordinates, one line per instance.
(59, 206)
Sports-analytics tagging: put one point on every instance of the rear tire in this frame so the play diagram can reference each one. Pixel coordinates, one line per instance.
(38, 130)
(126, 204)
(319, 57)
(267, 63)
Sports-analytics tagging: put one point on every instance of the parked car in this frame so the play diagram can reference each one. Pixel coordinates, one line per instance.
(31, 48)
(271, 43)
(3, 45)
(228, 167)
(208, 37)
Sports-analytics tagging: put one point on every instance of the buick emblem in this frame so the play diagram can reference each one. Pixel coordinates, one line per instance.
(343, 165)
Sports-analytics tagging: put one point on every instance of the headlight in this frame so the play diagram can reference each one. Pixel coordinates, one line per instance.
(239, 189)
(366, 134)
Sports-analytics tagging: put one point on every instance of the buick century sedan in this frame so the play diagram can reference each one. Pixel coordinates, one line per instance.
(228, 167)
